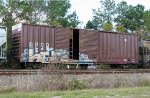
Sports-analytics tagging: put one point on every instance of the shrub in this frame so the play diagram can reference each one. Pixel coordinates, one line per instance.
(76, 84)
(4, 91)
(145, 82)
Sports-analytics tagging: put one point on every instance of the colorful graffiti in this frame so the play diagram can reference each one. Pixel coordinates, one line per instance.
(34, 54)
(83, 59)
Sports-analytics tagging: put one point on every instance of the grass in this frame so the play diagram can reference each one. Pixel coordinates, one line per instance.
(136, 92)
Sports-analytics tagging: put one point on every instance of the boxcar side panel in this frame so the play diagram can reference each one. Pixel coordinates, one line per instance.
(36, 42)
(116, 48)
(88, 45)
(62, 39)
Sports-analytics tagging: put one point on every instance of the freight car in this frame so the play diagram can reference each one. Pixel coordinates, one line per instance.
(144, 53)
(2, 44)
(34, 44)
(39, 44)
(115, 49)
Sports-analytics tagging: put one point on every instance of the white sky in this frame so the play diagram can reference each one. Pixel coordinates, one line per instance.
(84, 8)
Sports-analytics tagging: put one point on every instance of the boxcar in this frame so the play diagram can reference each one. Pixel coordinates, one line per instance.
(109, 47)
(32, 41)
(35, 43)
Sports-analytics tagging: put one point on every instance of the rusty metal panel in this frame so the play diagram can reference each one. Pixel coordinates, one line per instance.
(136, 49)
(104, 46)
(100, 45)
(109, 47)
(116, 48)
(88, 44)
(36, 38)
(34, 42)
(24, 37)
(62, 38)
(128, 39)
(113, 55)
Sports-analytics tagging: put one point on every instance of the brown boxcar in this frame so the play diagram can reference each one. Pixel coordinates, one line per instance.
(108, 47)
(34, 43)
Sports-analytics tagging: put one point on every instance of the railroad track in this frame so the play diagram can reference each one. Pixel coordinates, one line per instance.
(73, 72)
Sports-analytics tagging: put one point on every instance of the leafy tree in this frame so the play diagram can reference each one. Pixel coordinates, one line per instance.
(120, 29)
(131, 17)
(105, 14)
(108, 27)
(57, 14)
(73, 20)
(147, 20)
(70, 20)
(144, 31)
(8, 10)
(34, 11)
(91, 25)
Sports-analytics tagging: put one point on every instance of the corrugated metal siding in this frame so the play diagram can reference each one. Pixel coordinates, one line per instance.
(38, 35)
(62, 39)
(109, 48)
(101, 47)
(88, 42)
(115, 48)
(136, 49)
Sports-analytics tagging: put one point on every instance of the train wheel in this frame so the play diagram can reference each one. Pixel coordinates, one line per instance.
(37, 65)
(123, 66)
(113, 66)
(28, 66)
(22, 65)
(83, 66)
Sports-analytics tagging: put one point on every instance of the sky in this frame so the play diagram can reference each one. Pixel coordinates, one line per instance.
(84, 8)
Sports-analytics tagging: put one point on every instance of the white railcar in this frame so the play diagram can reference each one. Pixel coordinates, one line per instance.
(3, 44)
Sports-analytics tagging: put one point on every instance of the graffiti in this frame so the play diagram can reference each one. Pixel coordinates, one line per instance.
(47, 46)
(61, 54)
(32, 54)
(42, 46)
(84, 59)
(36, 47)
(24, 56)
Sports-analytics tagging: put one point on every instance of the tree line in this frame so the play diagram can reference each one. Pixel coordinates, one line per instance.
(121, 17)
